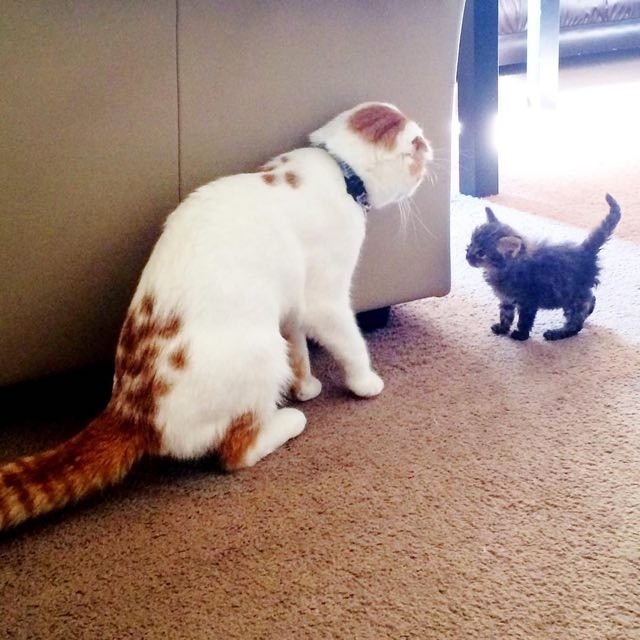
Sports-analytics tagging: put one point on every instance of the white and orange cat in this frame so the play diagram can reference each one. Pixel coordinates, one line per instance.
(246, 268)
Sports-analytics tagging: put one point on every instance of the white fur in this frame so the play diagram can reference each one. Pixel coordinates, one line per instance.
(240, 260)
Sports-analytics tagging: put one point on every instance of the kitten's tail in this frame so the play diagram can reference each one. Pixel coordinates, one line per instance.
(601, 234)
(99, 456)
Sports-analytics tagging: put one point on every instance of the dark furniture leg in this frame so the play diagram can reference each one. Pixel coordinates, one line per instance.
(478, 98)
(374, 319)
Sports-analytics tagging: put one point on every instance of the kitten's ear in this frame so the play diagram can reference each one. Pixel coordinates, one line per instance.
(491, 217)
(510, 246)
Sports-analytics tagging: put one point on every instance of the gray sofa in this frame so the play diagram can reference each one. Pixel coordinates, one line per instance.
(116, 110)
(587, 27)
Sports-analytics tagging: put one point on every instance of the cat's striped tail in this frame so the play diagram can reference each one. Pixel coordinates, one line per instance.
(601, 234)
(99, 456)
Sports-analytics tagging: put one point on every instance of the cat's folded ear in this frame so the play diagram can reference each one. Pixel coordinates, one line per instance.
(491, 217)
(510, 246)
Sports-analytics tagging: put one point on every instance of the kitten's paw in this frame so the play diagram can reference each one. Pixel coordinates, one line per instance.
(308, 389)
(519, 335)
(499, 329)
(559, 334)
(366, 386)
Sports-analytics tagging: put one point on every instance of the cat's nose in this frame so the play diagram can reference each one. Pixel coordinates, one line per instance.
(422, 146)
(471, 259)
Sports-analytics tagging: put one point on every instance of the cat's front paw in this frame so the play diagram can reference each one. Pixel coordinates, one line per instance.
(366, 385)
(308, 389)
(519, 335)
(499, 329)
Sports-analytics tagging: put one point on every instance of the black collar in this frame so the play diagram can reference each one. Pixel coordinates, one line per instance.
(353, 182)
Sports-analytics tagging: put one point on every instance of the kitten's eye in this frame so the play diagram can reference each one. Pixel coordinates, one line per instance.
(480, 253)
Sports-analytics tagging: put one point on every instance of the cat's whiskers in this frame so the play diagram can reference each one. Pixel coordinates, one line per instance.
(409, 213)
(402, 228)
(439, 155)
(438, 162)
(419, 218)
(407, 218)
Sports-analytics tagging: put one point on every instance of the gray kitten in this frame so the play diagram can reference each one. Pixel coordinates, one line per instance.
(528, 276)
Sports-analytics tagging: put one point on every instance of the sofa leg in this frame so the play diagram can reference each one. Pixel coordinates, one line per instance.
(374, 319)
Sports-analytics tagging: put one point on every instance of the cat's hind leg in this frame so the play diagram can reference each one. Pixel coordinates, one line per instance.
(575, 316)
(249, 439)
(305, 386)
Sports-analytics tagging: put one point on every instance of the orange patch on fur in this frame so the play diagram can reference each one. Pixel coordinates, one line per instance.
(419, 156)
(297, 362)
(420, 144)
(170, 327)
(137, 385)
(239, 437)
(268, 178)
(299, 369)
(378, 124)
(292, 179)
(178, 359)
(416, 168)
(146, 306)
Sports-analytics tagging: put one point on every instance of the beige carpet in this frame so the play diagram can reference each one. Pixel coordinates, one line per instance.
(491, 492)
